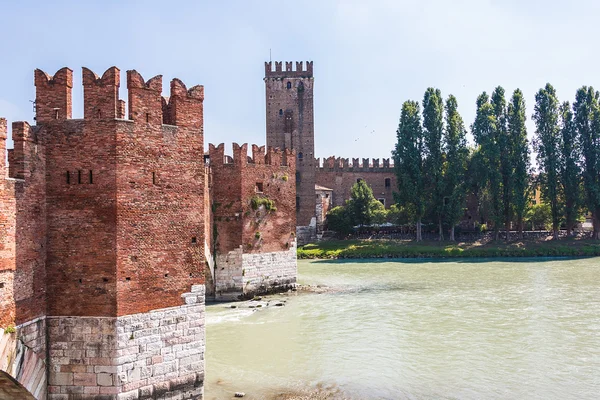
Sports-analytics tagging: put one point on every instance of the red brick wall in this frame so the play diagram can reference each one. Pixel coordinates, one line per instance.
(235, 184)
(22, 228)
(339, 175)
(160, 196)
(7, 237)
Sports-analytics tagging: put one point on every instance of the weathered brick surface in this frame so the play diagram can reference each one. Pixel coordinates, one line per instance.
(242, 229)
(290, 125)
(340, 175)
(103, 217)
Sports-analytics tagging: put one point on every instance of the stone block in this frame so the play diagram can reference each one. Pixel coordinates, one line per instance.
(105, 379)
(60, 378)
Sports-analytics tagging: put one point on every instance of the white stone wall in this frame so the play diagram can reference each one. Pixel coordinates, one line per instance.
(158, 354)
(162, 352)
(269, 272)
(228, 275)
(23, 356)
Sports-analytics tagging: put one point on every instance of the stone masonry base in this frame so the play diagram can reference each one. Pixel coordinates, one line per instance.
(153, 355)
(243, 275)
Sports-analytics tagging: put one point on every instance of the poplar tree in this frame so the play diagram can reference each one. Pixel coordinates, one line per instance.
(433, 128)
(484, 130)
(519, 148)
(587, 122)
(506, 161)
(408, 162)
(547, 144)
(456, 164)
(570, 174)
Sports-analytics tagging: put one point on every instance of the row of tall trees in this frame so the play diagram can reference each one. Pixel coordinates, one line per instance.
(568, 145)
(436, 170)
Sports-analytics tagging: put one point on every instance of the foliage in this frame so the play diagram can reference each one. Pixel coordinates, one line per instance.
(408, 161)
(519, 149)
(338, 220)
(362, 203)
(539, 215)
(433, 128)
(569, 152)
(399, 215)
(485, 132)
(456, 163)
(256, 202)
(548, 143)
(10, 329)
(587, 121)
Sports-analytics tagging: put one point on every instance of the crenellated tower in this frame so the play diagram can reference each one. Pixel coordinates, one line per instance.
(290, 125)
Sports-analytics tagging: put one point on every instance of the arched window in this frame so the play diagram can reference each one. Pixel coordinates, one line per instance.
(300, 87)
(280, 111)
(300, 155)
(289, 85)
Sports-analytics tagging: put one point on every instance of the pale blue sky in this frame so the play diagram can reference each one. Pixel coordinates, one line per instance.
(369, 56)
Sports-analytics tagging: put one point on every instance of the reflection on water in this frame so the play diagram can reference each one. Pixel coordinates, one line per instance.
(411, 330)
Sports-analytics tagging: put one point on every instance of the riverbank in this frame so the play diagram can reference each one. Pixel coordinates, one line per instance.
(380, 248)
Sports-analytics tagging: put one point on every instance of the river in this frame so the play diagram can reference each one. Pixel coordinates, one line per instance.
(417, 329)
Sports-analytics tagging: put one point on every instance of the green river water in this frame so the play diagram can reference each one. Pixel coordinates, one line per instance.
(418, 329)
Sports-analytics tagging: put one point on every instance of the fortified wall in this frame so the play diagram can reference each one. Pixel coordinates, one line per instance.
(254, 209)
(339, 174)
(114, 227)
(101, 252)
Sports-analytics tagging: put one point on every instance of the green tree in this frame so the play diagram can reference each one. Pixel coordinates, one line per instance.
(456, 164)
(399, 215)
(485, 132)
(362, 204)
(547, 144)
(338, 220)
(587, 121)
(519, 149)
(570, 174)
(408, 162)
(503, 141)
(433, 128)
(539, 216)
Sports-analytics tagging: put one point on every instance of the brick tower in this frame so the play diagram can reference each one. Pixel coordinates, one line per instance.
(290, 125)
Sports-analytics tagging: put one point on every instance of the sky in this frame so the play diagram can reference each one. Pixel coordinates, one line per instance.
(369, 56)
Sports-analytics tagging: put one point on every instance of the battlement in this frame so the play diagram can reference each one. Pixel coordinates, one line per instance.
(3, 171)
(184, 107)
(299, 72)
(240, 157)
(344, 164)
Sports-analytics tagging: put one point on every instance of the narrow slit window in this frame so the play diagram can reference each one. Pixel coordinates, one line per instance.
(281, 111)
(289, 85)
(91, 177)
(56, 113)
(68, 178)
(79, 176)
(154, 178)
(147, 117)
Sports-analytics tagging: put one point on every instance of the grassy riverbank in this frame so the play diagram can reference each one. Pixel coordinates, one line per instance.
(433, 249)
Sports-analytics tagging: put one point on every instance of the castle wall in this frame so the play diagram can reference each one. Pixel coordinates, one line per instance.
(107, 214)
(160, 185)
(340, 175)
(245, 232)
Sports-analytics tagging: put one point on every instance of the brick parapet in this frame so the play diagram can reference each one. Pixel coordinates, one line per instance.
(344, 164)
(303, 70)
(53, 100)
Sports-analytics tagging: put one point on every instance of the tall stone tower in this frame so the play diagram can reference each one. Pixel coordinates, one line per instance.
(290, 125)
